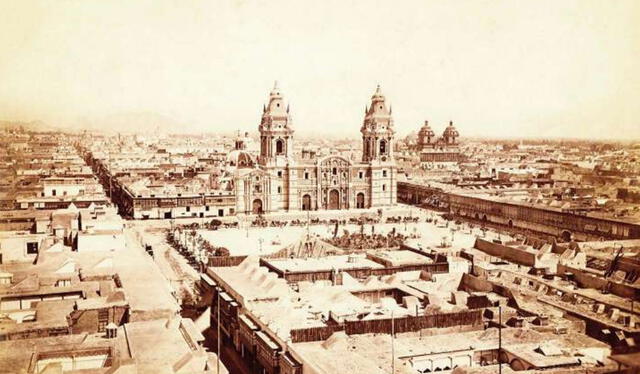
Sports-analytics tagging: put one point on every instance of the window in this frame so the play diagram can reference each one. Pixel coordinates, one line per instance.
(206, 208)
(280, 174)
(63, 282)
(32, 248)
(384, 173)
(279, 189)
(220, 212)
(334, 171)
(188, 209)
(53, 192)
(360, 175)
(384, 187)
(306, 175)
(103, 319)
(383, 147)
(279, 147)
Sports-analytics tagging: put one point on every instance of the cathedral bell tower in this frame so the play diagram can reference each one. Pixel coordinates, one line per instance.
(377, 130)
(276, 134)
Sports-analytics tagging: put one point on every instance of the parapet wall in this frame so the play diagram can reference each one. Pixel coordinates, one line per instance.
(516, 255)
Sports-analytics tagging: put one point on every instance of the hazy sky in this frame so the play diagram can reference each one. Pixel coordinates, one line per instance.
(496, 68)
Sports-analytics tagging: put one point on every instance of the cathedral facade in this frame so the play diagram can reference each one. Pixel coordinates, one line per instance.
(280, 181)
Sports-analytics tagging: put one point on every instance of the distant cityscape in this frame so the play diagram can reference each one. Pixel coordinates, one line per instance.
(263, 253)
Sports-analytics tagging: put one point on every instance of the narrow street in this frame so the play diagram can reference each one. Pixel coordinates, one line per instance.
(171, 264)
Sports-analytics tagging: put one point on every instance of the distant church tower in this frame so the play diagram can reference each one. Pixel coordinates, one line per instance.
(377, 130)
(276, 134)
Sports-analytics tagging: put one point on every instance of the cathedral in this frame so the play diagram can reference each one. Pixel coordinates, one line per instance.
(279, 180)
(438, 153)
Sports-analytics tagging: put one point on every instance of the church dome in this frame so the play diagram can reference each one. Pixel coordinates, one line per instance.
(450, 133)
(426, 131)
(239, 159)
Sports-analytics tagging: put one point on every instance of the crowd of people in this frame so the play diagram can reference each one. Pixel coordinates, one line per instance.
(260, 221)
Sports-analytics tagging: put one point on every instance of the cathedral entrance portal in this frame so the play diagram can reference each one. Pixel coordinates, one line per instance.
(306, 202)
(360, 201)
(334, 199)
(257, 206)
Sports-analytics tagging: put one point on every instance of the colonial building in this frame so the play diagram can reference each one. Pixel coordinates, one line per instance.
(438, 152)
(282, 181)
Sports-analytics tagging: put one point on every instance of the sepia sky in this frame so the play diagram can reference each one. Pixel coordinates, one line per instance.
(496, 68)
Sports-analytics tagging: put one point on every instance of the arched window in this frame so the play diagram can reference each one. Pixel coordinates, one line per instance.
(383, 147)
(279, 147)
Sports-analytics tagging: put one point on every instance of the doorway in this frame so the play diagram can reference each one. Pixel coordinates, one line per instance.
(257, 206)
(334, 199)
(360, 200)
(306, 202)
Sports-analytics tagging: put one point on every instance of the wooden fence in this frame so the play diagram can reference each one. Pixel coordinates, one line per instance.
(314, 334)
(385, 326)
(408, 324)
(225, 261)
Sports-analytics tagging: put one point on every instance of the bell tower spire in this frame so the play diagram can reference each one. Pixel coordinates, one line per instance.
(276, 134)
(377, 130)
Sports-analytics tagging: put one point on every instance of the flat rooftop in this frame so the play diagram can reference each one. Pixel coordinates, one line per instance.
(371, 353)
(401, 257)
(339, 262)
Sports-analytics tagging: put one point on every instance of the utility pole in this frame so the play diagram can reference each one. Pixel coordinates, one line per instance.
(499, 339)
(393, 353)
(218, 335)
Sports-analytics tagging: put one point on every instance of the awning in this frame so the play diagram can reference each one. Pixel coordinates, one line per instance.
(207, 279)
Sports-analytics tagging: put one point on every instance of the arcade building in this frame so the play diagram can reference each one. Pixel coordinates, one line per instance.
(279, 180)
